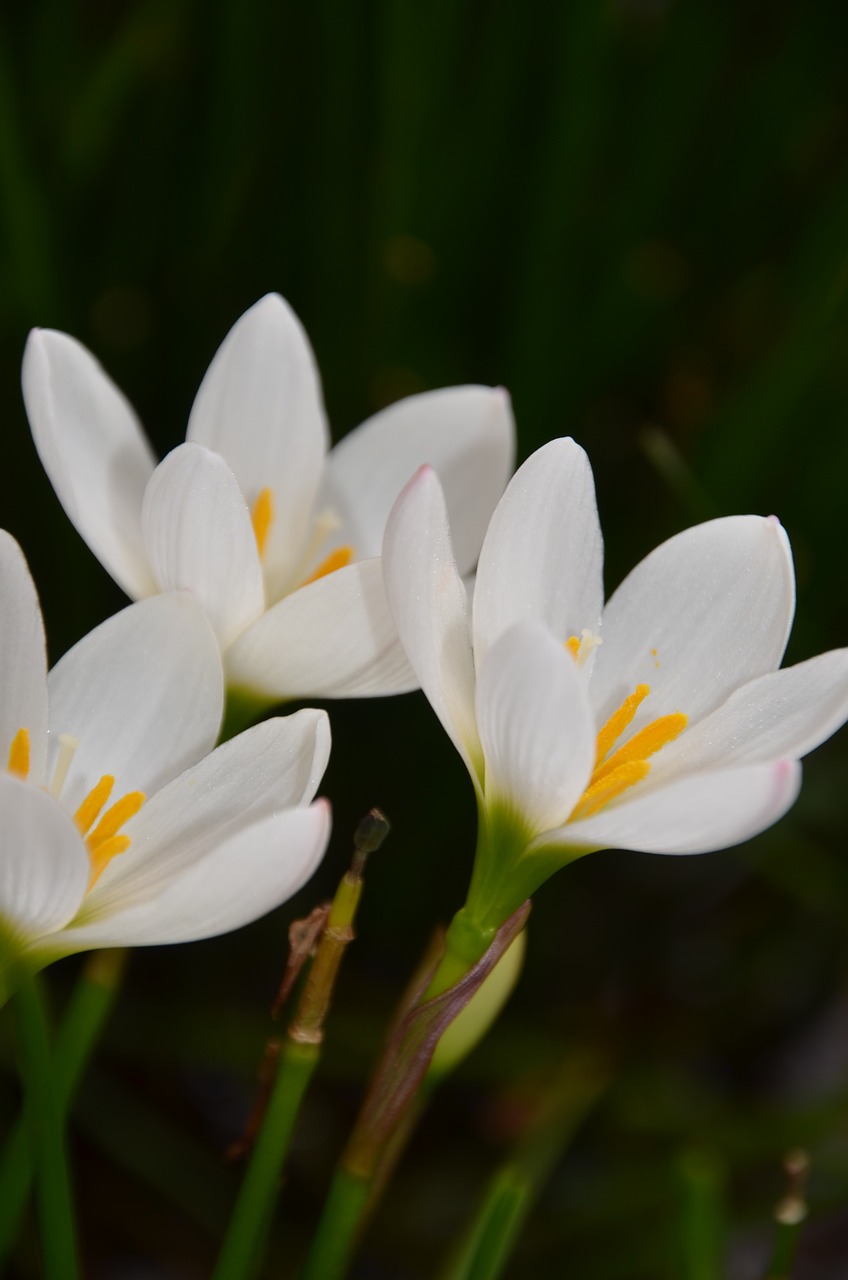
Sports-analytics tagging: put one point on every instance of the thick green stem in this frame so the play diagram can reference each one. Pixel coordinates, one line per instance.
(239, 1257)
(78, 1033)
(44, 1121)
(387, 1114)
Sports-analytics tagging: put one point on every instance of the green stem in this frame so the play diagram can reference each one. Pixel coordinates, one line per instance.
(339, 1227)
(78, 1033)
(44, 1119)
(239, 1256)
(389, 1111)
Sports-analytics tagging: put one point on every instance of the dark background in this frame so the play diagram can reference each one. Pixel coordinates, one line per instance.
(634, 215)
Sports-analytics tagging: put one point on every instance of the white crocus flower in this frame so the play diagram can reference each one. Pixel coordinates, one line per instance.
(117, 827)
(657, 723)
(278, 539)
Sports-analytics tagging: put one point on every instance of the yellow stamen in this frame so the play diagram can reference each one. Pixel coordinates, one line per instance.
(114, 818)
(647, 742)
(599, 793)
(572, 644)
(335, 560)
(88, 811)
(261, 515)
(619, 720)
(629, 764)
(104, 853)
(19, 754)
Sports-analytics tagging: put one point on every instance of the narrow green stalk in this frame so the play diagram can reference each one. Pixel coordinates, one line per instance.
(339, 1226)
(241, 1252)
(78, 1033)
(46, 1133)
(239, 1256)
(701, 1226)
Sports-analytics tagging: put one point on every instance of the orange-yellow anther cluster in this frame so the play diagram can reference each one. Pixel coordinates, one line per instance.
(104, 842)
(18, 762)
(335, 560)
(614, 774)
(261, 515)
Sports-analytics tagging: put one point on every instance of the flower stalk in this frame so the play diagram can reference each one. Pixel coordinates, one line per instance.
(297, 1058)
(44, 1122)
(77, 1035)
(442, 995)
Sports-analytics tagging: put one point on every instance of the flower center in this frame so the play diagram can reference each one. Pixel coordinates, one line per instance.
(104, 842)
(262, 516)
(614, 774)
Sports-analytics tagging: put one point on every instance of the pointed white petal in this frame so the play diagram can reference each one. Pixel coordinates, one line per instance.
(783, 714)
(199, 537)
(427, 598)
(142, 694)
(466, 434)
(536, 726)
(44, 866)
(260, 406)
(702, 614)
(334, 638)
(242, 878)
(23, 659)
(93, 449)
(274, 766)
(695, 814)
(543, 553)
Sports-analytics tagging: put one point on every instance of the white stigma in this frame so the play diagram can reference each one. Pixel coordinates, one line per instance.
(67, 749)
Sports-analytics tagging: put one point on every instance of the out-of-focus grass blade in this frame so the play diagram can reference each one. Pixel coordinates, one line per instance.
(489, 1241)
(701, 1225)
(30, 253)
(97, 121)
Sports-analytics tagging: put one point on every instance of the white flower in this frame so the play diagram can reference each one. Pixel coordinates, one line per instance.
(277, 540)
(658, 723)
(116, 826)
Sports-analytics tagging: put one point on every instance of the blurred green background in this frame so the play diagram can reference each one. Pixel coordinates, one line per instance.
(634, 215)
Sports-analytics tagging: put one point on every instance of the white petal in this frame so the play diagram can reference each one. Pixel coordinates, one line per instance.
(260, 406)
(334, 638)
(696, 814)
(782, 714)
(536, 726)
(543, 554)
(427, 598)
(274, 766)
(93, 450)
(466, 434)
(44, 866)
(702, 614)
(142, 694)
(240, 880)
(23, 659)
(199, 537)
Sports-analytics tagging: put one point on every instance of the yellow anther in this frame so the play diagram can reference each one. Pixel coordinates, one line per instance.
(19, 754)
(104, 853)
(114, 818)
(88, 811)
(647, 742)
(619, 720)
(261, 515)
(572, 644)
(629, 764)
(335, 560)
(599, 793)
